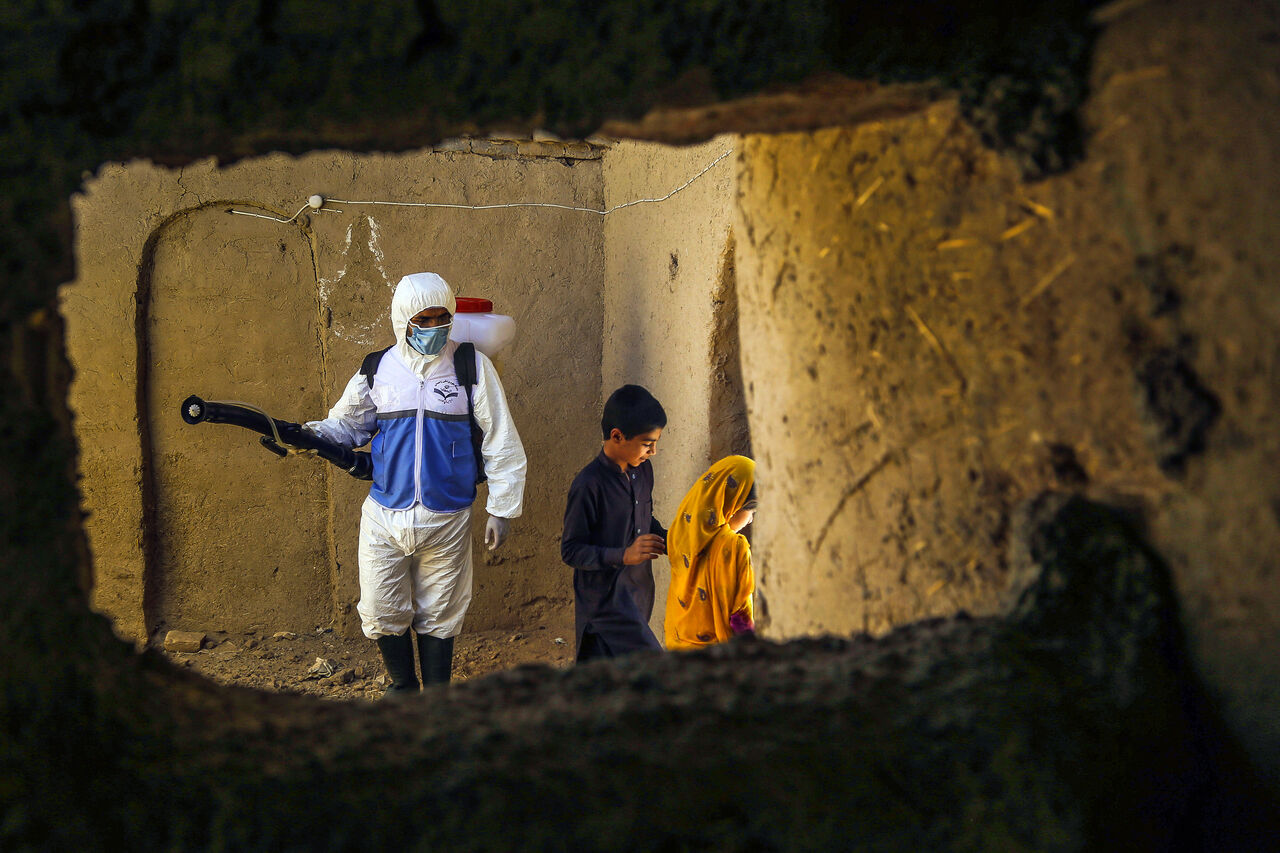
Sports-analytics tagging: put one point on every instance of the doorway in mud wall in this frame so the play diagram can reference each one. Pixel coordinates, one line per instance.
(228, 315)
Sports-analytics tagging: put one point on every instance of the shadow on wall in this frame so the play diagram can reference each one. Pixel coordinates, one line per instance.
(730, 431)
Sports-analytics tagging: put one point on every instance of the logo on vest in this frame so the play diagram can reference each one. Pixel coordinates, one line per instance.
(446, 390)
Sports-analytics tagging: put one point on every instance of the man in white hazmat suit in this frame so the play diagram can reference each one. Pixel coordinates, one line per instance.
(415, 525)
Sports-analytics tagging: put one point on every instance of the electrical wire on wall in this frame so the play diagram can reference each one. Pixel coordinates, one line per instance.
(321, 204)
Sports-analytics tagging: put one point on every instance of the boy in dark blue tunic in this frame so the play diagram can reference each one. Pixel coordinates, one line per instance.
(610, 534)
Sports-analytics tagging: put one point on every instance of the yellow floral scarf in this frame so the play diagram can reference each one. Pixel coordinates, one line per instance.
(711, 577)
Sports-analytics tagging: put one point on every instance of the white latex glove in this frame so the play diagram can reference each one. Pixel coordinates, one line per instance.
(495, 531)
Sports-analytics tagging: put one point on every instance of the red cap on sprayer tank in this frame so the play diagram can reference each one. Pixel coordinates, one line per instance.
(473, 305)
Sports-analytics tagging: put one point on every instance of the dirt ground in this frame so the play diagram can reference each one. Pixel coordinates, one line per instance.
(326, 664)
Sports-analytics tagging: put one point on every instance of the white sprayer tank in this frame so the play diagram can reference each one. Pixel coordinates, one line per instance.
(474, 320)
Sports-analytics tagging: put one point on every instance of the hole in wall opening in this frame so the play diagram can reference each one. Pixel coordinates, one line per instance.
(256, 555)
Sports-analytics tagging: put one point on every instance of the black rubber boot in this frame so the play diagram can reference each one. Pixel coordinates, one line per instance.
(397, 654)
(436, 656)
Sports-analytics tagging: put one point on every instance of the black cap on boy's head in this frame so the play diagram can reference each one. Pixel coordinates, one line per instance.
(632, 410)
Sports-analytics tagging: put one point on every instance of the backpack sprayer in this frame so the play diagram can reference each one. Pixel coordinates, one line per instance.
(474, 323)
(280, 437)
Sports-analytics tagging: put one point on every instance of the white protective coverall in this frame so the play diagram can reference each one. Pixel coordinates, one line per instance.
(415, 526)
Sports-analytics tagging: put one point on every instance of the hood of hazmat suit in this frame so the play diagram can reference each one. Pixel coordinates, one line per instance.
(353, 420)
(415, 293)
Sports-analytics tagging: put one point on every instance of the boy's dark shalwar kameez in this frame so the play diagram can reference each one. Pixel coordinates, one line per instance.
(606, 510)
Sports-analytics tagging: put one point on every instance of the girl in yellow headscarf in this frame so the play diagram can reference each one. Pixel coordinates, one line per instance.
(711, 578)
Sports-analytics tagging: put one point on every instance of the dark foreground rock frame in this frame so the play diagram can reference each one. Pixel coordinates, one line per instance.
(1072, 724)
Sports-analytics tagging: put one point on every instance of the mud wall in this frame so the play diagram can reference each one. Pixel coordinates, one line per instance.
(665, 272)
(929, 338)
(198, 527)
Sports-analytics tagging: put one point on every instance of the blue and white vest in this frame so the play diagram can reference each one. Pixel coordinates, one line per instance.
(422, 451)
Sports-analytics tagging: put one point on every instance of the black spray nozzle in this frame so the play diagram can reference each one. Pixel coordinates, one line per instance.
(356, 463)
(270, 444)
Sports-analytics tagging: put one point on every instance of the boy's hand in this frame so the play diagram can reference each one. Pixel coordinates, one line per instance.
(645, 548)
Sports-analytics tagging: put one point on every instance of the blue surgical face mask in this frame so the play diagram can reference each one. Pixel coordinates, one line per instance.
(428, 341)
